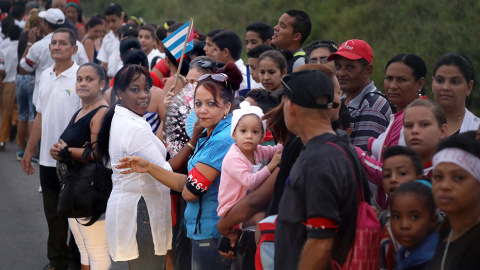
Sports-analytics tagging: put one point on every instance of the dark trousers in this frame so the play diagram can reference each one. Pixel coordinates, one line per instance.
(57, 248)
(181, 243)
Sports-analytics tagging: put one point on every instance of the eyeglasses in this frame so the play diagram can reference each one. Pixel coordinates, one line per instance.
(320, 60)
(285, 80)
(217, 77)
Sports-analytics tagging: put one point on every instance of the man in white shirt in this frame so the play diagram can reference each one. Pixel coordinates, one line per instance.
(57, 103)
(227, 47)
(109, 53)
(37, 56)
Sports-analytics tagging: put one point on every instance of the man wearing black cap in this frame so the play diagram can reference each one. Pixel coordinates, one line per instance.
(318, 210)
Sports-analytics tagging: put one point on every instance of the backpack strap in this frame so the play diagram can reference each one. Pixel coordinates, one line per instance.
(299, 53)
(361, 198)
(292, 61)
(367, 95)
(360, 191)
(154, 62)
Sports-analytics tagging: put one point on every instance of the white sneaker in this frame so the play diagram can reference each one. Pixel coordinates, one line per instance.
(39, 189)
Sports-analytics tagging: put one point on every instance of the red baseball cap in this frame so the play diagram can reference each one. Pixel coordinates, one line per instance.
(354, 49)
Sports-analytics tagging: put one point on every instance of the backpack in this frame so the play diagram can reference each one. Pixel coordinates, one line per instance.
(363, 254)
(292, 61)
(264, 256)
(154, 61)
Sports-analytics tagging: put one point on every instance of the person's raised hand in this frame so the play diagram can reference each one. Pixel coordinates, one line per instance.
(277, 157)
(169, 96)
(133, 164)
(32, 34)
(197, 129)
(275, 161)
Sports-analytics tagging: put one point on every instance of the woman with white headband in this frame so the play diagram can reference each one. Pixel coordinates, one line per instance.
(456, 189)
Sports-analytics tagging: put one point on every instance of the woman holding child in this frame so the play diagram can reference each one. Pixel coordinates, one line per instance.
(213, 103)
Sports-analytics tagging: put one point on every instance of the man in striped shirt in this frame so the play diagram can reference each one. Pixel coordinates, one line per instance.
(369, 110)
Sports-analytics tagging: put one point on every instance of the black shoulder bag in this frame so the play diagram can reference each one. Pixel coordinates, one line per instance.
(85, 188)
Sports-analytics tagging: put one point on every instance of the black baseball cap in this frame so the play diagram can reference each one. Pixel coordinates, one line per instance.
(305, 87)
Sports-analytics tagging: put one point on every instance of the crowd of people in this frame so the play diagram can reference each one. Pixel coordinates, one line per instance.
(221, 164)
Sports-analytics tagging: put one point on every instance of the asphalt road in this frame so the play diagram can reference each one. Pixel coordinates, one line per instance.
(23, 228)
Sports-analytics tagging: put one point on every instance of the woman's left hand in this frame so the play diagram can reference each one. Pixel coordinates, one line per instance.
(135, 164)
(197, 130)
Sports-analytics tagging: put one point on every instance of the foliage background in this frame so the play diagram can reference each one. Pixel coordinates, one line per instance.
(428, 28)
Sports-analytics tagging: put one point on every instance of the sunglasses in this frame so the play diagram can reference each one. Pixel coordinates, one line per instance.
(217, 77)
(204, 64)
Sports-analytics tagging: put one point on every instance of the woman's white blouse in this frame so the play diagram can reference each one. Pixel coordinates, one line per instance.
(131, 135)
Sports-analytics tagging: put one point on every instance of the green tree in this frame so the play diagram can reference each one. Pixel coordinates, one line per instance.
(429, 28)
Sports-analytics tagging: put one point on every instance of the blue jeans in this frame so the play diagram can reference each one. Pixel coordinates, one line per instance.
(147, 259)
(24, 85)
(205, 255)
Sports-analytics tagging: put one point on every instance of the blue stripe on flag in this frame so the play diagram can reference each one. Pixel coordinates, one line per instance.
(174, 42)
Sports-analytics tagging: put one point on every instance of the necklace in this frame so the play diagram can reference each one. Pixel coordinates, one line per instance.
(456, 122)
(446, 250)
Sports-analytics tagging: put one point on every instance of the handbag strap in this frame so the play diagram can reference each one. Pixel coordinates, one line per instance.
(360, 191)
(334, 264)
(88, 152)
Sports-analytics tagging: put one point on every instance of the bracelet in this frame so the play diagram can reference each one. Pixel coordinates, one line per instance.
(191, 146)
(64, 153)
(29, 44)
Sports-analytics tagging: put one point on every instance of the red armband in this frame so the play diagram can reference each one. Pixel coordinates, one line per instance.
(321, 223)
(29, 62)
(197, 184)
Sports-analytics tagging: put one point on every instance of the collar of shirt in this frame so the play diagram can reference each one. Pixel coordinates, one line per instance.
(67, 73)
(355, 103)
(298, 50)
(241, 66)
(126, 112)
(48, 37)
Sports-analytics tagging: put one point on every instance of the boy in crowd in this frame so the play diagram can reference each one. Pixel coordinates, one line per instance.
(227, 47)
(400, 165)
(258, 33)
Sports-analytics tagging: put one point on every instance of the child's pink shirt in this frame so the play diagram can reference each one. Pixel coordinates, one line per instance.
(237, 177)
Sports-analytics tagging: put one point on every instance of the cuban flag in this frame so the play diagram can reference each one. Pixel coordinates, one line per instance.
(174, 42)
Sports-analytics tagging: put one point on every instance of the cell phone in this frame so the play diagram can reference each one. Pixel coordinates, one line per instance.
(224, 245)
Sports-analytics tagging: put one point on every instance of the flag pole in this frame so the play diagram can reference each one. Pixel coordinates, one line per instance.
(183, 52)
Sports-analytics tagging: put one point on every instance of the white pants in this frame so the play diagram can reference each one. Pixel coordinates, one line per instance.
(91, 242)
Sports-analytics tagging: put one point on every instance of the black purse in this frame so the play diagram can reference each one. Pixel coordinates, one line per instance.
(85, 188)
